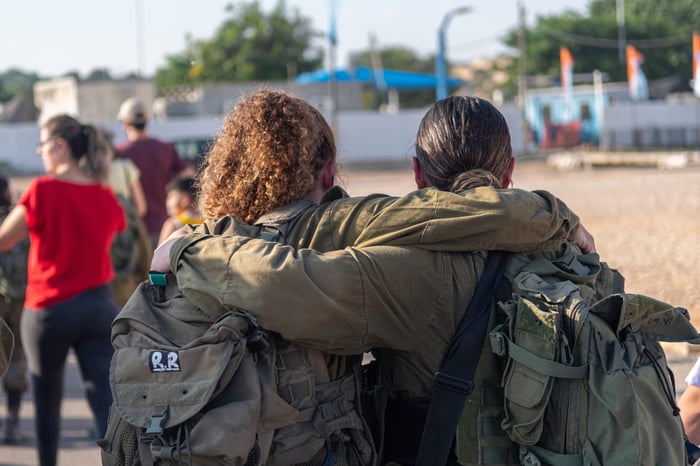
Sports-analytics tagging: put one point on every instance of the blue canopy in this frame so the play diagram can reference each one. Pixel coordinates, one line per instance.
(394, 79)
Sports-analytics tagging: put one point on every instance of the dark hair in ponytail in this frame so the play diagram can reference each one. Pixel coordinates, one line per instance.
(84, 142)
(463, 142)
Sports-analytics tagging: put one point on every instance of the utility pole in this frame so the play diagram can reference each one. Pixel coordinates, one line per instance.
(440, 60)
(522, 78)
(621, 39)
(138, 15)
(332, 68)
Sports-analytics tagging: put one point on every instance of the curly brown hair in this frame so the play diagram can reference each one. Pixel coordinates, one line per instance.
(270, 151)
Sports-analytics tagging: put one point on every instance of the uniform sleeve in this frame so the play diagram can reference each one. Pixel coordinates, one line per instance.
(336, 301)
(477, 219)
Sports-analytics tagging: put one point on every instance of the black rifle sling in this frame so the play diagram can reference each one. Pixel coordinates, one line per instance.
(453, 383)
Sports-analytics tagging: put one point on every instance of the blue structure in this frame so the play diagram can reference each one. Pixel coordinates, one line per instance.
(558, 121)
(394, 79)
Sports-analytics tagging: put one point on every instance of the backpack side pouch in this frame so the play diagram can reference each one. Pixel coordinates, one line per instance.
(532, 339)
(526, 390)
(632, 391)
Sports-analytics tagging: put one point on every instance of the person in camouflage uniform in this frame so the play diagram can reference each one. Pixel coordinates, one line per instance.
(13, 282)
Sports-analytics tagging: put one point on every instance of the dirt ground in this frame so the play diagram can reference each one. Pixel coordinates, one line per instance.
(646, 221)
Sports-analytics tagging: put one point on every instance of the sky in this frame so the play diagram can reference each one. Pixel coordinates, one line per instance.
(54, 37)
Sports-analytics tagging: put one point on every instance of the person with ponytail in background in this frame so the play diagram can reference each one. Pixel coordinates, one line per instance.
(71, 218)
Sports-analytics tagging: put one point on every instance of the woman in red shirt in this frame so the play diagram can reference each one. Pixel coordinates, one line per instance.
(71, 219)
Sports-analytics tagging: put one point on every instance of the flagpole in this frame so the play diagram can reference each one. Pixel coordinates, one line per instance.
(332, 67)
(621, 40)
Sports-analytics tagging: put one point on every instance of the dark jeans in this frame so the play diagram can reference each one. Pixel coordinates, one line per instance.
(84, 324)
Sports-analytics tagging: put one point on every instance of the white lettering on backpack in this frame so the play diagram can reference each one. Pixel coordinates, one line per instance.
(164, 361)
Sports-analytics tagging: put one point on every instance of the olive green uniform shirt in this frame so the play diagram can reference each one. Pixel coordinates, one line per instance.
(361, 294)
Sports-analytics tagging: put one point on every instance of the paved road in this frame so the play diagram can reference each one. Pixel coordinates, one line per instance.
(77, 449)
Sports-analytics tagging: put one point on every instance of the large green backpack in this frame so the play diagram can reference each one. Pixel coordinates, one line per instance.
(571, 373)
(586, 381)
(13, 266)
(207, 386)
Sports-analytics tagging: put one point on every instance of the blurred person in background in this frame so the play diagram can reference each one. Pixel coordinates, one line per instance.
(13, 284)
(132, 249)
(181, 202)
(71, 218)
(689, 404)
(158, 162)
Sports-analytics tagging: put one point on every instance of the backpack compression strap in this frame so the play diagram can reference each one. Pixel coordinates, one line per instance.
(453, 383)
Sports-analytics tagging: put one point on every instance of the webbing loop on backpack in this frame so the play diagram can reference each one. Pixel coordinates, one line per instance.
(157, 278)
(544, 366)
(535, 455)
(269, 233)
(455, 384)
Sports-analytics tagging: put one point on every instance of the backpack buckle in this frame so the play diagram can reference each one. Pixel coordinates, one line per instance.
(157, 421)
(454, 384)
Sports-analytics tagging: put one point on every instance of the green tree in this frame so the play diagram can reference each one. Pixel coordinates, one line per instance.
(660, 29)
(99, 74)
(15, 81)
(249, 45)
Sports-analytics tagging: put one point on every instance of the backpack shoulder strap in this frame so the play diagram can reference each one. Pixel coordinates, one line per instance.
(453, 383)
(275, 224)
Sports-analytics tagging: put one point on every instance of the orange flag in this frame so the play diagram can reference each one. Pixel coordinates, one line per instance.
(567, 67)
(636, 80)
(696, 52)
(696, 64)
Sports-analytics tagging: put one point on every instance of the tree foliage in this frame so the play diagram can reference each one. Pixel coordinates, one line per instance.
(14, 82)
(660, 29)
(99, 74)
(249, 45)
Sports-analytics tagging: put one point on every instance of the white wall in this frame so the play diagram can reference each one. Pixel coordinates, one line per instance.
(653, 124)
(18, 146)
(363, 136)
(377, 137)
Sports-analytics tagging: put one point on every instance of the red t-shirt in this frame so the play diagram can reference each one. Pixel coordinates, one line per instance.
(71, 228)
(159, 163)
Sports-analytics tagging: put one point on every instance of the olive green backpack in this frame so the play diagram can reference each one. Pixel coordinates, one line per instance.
(208, 386)
(572, 373)
(586, 380)
(13, 266)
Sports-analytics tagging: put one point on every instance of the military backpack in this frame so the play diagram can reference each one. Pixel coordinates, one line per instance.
(210, 387)
(571, 373)
(13, 266)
